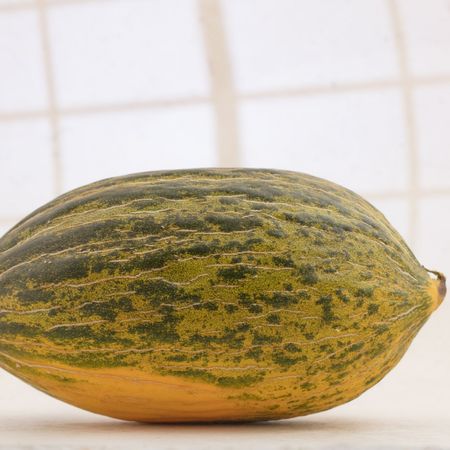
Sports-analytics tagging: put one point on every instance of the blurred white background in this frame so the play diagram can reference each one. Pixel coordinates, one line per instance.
(355, 91)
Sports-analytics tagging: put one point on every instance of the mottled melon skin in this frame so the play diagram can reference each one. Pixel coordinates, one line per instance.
(208, 295)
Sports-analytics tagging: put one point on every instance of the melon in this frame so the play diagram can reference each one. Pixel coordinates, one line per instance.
(208, 295)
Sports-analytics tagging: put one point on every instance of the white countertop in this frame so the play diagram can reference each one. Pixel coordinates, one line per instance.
(323, 431)
(387, 417)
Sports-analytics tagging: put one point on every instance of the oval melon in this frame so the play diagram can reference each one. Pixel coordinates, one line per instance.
(208, 295)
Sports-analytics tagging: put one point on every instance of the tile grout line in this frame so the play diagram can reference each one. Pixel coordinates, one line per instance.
(74, 2)
(222, 87)
(107, 108)
(8, 220)
(188, 101)
(13, 7)
(134, 106)
(51, 94)
(23, 115)
(408, 107)
(338, 88)
(332, 88)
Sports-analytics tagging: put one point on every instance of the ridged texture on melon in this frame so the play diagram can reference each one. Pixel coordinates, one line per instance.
(271, 293)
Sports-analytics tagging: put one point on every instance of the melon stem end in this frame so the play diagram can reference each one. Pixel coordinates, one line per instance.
(440, 287)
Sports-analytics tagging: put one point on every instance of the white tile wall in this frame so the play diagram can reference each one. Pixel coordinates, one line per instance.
(22, 82)
(427, 30)
(433, 132)
(123, 51)
(433, 249)
(434, 245)
(100, 146)
(356, 139)
(396, 211)
(5, 226)
(26, 172)
(15, 2)
(276, 44)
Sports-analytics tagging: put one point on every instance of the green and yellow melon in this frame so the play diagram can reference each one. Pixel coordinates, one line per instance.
(209, 295)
